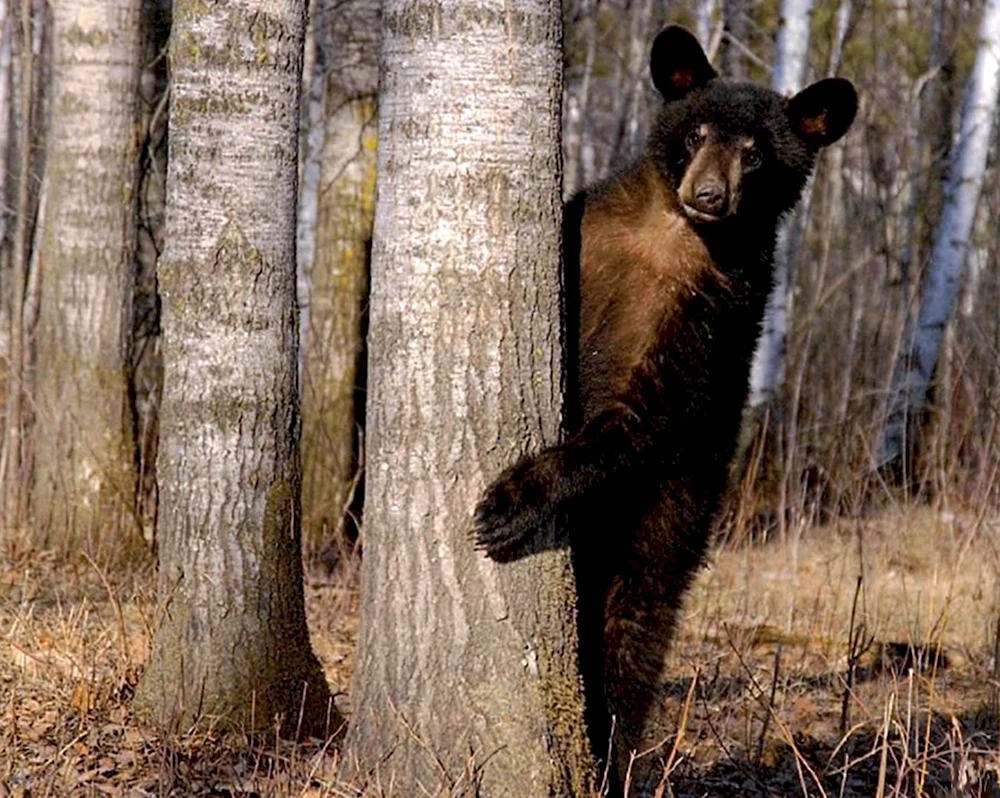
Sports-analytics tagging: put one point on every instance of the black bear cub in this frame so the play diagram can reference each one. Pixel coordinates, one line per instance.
(669, 264)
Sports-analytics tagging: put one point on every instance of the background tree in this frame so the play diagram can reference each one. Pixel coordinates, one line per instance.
(336, 278)
(578, 166)
(147, 361)
(464, 670)
(767, 373)
(84, 464)
(631, 104)
(942, 280)
(22, 31)
(788, 77)
(704, 22)
(232, 644)
(734, 44)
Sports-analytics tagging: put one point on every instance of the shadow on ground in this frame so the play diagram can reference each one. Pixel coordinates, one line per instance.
(951, 757)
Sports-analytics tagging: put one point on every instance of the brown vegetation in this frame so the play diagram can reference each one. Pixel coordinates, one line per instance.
(760, 671)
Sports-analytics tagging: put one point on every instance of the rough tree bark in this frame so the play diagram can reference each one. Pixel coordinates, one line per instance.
(465, 670)
(84, 477)
(338, 279)
(232, 647)
(943, 276)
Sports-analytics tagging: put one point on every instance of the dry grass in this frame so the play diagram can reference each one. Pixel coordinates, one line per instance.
(771, 697)
(785, 704)
(73, 645)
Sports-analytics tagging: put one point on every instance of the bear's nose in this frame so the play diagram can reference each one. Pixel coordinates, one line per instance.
(710, 197)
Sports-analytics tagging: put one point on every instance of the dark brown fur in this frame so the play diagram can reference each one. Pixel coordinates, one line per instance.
(661, 325)
(669, 264)
(629, 281)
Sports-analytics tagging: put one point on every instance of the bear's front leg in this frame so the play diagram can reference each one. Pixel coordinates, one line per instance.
(525, 497)
(518, 505)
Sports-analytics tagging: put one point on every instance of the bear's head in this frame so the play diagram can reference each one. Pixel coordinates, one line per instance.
(734, 149)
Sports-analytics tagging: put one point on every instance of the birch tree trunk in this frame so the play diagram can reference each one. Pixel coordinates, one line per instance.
(84, 478)
(734, 25)
(790, 61)
(8, 137)
(767, 371)
(836, 221)
(704, 11)
(943, 276)
(845, 9)
(7, 24)
(232, 648)
(465, 669)
(338, 280)
(312, 132)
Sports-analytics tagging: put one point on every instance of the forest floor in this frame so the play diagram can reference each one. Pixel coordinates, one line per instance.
(787, 678)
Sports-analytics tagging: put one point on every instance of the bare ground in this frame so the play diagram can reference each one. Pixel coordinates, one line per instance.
(787, 679)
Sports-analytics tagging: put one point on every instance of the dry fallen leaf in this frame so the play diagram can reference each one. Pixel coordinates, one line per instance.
(82, 700)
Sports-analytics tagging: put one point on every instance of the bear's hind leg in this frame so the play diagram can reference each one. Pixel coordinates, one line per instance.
(637, 633)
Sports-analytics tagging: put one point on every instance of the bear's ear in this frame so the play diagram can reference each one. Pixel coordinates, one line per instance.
(823, 112)
(677, 63)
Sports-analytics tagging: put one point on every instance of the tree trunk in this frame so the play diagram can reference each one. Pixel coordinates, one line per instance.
(338, 282)
(767, 371)
(845, 9)
(734, 26)
(578, 105)
(704, 11)
(466, 671)
(232, 647)
(790, 60)
(12, 459)
(312, 133)
(632, 88)
(943, 276)
(84, 476)
(7, 24)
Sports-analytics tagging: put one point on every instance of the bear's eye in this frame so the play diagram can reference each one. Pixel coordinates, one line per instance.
(694, 139)
(752, 159)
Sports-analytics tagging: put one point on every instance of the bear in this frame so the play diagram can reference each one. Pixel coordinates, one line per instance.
(668, 265)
